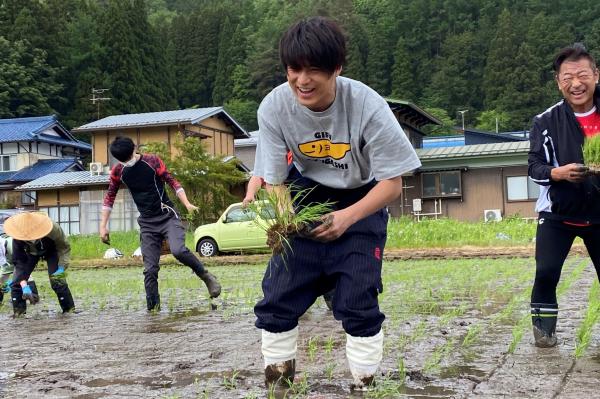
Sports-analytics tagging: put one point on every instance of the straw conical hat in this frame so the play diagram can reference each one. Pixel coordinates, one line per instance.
(28, 226)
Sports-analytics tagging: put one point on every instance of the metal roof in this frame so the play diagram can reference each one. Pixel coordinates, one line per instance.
(24, 129)
(44, 167)
(32, 129)
(4, 176)
(492, 137)
(65, 179)
(443, 141)
(249, 142)
(163, 118)
(477, 150)
(413, 113)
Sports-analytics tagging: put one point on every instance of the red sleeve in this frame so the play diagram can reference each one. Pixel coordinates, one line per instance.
(113, 187)
(164, 174)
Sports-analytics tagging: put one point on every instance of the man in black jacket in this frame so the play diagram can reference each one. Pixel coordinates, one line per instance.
(569, 201)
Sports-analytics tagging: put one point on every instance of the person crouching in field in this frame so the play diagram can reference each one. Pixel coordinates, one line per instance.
(569, 201)
(145, 177)
(7, 268)
(35, 236)
(349, 149)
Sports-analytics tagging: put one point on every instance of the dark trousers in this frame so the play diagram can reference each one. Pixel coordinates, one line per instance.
(23, 271)
(351, 264)
(553, 242)
(152, 232)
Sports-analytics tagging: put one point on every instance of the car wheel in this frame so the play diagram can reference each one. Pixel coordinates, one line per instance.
(207, 247)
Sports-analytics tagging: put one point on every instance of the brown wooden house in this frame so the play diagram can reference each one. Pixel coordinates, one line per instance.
(471, 183)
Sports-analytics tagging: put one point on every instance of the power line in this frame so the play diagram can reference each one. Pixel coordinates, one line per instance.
(97, 100)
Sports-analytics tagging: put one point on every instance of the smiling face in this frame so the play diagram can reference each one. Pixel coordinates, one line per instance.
(313, 87)
(577, 81)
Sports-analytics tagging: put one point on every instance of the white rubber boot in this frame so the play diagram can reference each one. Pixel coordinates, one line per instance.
(364, 356)
(279, 352)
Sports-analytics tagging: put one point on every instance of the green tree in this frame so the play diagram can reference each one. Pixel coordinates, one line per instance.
(501, 62)
(403, 78)
(244, 112)
(207, 179)
(487, 120)
(446, 128)
(232, 53)
(26, 80)
(456, 84)
(137, 74)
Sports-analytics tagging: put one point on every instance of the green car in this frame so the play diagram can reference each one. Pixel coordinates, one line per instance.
(237, 229)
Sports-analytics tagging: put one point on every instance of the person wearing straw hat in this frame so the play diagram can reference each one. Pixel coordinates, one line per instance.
(7, 267)
(36, 236)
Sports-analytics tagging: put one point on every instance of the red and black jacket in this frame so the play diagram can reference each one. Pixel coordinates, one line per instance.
(146, 181)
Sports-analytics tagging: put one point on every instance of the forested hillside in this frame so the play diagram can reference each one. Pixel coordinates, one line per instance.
(492, 58)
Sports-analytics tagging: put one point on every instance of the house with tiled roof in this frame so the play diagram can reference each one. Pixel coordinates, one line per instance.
(33, 147)
(213, 126)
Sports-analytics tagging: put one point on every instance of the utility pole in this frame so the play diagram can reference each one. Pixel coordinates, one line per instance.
(462, 114)
(96, 100)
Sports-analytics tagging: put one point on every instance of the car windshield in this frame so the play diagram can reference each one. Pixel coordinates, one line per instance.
(267, 212)
(239, 215)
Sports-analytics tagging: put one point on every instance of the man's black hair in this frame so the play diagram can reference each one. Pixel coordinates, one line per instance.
(122, 148)
(572, 53)
(315, 42)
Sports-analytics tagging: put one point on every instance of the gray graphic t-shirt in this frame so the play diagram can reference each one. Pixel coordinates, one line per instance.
(355, 140)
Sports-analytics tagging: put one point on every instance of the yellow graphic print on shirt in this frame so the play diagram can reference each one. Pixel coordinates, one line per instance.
(324, 148)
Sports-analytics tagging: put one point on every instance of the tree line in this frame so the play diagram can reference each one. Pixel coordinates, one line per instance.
(490, 57)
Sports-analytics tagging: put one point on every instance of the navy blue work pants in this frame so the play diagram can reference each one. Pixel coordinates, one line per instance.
(351, 264)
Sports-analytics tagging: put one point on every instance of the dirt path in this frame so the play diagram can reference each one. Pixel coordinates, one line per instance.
(389, 254)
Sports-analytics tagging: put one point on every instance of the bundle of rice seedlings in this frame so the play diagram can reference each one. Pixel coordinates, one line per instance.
(285, 223)
(591, 153)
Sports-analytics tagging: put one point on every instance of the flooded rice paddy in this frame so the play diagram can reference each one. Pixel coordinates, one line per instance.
(454, 329)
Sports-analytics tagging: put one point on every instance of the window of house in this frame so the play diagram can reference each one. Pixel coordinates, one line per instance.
(8, 163)
(123, 216)
(28, 198)
(66, 216)
(10, 148)
(441, 184)
(521, 188)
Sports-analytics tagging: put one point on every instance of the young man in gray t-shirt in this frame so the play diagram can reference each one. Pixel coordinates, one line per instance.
(348, 148)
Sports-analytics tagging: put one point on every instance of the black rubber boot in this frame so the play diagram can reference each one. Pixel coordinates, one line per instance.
(543, 318)
(34, 291)
(212, 284)
(153, 303)
(19, 304)
(1, 296)
(66, 302)
(63, 293)
(280, 374)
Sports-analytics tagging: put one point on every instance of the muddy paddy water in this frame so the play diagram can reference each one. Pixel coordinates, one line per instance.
(454, 328)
